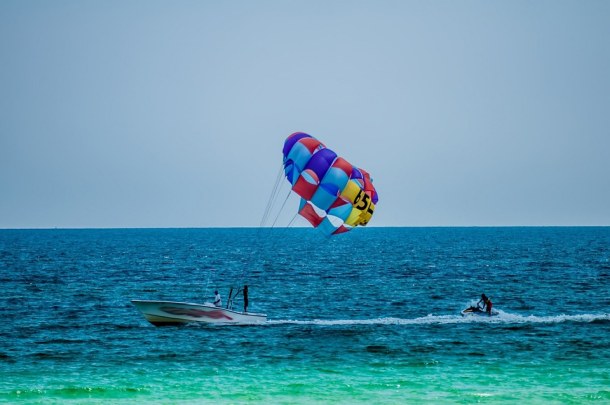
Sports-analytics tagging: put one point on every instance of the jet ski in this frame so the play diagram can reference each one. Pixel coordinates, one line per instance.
(472, 310)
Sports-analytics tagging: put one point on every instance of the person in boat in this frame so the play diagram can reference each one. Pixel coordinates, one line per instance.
(487, 304)
(245, 298)
(217, 300)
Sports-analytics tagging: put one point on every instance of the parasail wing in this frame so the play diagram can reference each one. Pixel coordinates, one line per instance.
(335, 195)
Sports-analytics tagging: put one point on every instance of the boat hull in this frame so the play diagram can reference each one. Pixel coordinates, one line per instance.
(164, 313)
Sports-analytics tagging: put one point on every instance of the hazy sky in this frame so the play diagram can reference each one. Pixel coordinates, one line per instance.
(174, 113)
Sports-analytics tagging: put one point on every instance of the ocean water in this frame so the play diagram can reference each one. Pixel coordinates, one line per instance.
(372, 316)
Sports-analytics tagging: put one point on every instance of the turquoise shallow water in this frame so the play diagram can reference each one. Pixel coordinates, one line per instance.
(367, 317)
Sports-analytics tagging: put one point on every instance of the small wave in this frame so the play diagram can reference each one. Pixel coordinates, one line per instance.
(53, 356)
(6, 358)
(378, 349)
(67, 341)
(502, 318)
(74, 392)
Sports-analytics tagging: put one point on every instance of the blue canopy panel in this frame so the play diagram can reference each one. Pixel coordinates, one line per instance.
(330, 187)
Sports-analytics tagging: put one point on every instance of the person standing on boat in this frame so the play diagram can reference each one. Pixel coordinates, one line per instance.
(217, 300)
(487, 304)
(245, 298)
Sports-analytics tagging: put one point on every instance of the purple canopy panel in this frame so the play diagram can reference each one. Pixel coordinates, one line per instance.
(292, 139)
(321, 161)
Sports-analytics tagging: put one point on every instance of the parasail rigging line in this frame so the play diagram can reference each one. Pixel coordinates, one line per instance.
(269, 208)
(273, 196)
(282, 208)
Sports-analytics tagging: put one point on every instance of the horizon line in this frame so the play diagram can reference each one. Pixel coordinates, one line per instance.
(296, 227)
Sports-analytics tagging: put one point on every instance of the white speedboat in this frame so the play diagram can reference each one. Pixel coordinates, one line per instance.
(161, 313)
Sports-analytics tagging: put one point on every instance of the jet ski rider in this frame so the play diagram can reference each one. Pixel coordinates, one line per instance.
(487, 304)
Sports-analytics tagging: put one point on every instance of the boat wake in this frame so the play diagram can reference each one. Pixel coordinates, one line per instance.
(501, 318)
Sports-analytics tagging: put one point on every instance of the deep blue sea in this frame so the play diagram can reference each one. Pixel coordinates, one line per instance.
(371, 316)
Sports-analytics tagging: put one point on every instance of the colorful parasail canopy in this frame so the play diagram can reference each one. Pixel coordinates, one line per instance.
(335, 196)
